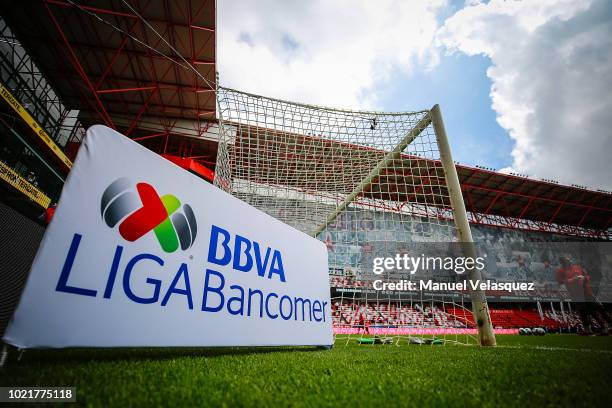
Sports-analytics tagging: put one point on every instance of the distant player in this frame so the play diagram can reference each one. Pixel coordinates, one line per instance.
(363, 323)
(577, 282)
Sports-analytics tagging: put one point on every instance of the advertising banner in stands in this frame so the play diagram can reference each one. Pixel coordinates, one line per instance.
(143, 253)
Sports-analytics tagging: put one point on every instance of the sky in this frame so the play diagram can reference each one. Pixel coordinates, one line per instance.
(524, 86)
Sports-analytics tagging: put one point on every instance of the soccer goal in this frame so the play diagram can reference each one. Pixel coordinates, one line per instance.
(367, 184)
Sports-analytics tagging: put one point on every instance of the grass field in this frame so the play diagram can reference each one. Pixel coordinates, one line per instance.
(555, 370)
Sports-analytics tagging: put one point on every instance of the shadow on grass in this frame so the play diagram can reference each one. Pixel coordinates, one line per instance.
(83, 355)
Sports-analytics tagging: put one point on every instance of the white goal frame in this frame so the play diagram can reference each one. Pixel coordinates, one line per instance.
(262, 117)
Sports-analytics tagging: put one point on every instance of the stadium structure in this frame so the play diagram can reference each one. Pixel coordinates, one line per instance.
(350, 178)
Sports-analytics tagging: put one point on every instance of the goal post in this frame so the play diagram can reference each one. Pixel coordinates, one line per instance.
(480, 307)
(368, 184)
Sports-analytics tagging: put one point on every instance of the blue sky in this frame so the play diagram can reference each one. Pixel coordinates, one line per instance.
(460, 86)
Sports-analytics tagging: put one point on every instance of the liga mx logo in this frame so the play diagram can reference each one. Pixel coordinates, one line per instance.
(140, 210)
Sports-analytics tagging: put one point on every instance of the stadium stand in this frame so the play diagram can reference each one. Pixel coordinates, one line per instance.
(397, 314)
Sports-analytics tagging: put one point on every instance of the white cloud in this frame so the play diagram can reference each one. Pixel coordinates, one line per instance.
(551, 65)
(324, 52)
(551, 78)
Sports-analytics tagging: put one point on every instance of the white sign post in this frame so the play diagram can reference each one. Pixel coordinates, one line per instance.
(143, 253)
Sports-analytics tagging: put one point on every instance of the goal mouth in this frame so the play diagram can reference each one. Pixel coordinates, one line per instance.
(355, 180)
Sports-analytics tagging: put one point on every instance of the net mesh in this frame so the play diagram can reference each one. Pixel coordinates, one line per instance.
(366, 184)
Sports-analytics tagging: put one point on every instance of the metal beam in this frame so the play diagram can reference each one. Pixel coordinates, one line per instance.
(77, 65)
(121, 90)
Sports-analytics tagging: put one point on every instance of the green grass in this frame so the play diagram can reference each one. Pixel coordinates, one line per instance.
(555, 370)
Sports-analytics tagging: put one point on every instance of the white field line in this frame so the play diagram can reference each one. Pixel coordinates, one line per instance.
(546, 348)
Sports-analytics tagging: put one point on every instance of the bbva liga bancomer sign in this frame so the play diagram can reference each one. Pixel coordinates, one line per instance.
(142, 253)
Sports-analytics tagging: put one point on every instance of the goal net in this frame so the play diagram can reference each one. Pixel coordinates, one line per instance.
(367, 184)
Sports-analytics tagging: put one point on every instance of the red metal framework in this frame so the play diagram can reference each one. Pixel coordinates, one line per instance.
(522, 203)
(144, 67)
(502, 200)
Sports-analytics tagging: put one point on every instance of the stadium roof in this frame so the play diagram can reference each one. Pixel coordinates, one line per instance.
(491, 193)
(491, 197)
(124, 62)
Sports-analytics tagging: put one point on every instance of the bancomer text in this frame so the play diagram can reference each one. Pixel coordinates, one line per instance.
(245, 256)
